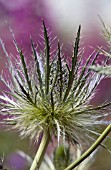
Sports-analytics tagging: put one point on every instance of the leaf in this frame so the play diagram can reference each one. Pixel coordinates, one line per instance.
(47, 55)
(74, 62)
(25, 70)
(60, 69)
(106, 32)
(26, 94)
(104, 70)
(38, 68)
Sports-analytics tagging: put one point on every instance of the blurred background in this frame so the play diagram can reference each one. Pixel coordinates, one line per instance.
(62, 17)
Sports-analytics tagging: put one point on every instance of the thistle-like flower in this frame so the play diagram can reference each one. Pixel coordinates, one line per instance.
(49, 95)
(106, 68)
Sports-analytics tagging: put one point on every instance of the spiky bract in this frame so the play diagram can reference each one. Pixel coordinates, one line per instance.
(106, 68)
(48, 94)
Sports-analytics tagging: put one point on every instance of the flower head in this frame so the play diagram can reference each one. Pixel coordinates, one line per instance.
(48, 94)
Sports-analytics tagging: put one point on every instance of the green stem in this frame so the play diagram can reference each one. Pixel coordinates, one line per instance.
(41, 151)
(91, 149)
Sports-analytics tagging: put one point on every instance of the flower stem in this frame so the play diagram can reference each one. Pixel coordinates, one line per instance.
(41, 151)
(91, 149)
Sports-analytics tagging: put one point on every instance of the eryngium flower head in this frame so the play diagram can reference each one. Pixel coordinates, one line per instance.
(49, 95)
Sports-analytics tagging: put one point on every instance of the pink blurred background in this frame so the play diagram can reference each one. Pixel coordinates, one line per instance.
(63, 18)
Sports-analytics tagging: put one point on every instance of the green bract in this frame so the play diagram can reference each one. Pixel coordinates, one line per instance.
(50, 95)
